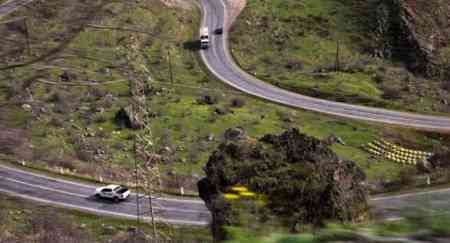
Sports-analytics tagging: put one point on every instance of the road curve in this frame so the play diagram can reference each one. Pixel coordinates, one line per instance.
(67, 194)
(72, 195)
(220, 63)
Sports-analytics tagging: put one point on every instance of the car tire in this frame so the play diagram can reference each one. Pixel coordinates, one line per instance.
(116, 199)
(97, 196)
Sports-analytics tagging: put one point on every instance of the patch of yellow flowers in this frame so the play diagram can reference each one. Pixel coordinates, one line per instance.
(237, 192)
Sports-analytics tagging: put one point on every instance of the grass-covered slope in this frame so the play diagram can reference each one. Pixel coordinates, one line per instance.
(21, 221)
(294, 44)
(58, 102)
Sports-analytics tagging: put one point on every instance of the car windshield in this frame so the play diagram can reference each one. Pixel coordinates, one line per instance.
(122, 189)
(116, 188)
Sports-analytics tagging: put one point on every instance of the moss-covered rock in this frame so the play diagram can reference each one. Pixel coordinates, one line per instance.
(303, 179)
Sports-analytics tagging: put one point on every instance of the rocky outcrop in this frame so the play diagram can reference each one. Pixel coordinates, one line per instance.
(304, 180)
(413, 31)
(130, 117)
(133, 115)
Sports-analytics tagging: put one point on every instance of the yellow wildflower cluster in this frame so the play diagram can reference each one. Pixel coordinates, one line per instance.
(238, 192)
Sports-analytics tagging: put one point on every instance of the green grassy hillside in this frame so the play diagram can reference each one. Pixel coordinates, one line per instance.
(298, 45)
(59, 97)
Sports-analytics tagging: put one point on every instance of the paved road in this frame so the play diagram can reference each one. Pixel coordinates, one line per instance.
(435, 202)
(43, 189)
(219, 61)
(67, 194)
(57, 192)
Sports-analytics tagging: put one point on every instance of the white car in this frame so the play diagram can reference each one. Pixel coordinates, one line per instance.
(114, 192)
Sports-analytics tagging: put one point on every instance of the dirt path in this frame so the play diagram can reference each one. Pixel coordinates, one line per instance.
(235, 8)
(184, 4)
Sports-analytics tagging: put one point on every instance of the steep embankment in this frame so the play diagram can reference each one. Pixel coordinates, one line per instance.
(415, 32)
(383, 57)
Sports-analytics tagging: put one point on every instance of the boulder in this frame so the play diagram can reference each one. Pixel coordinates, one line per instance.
(207, 100)
(130, 118)
(235, 134)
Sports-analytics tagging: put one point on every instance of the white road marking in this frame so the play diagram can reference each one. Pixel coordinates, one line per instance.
(43, 187)
(410, 194)
(86, 196)
(91, 187)
(47, 177)
(394, 218)
(103, 212)
(281, 96)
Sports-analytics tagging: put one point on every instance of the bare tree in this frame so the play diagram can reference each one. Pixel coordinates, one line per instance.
(148, 174)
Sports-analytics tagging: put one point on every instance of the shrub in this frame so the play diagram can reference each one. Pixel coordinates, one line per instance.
(63, 102)
(284, 116)
(14, 89)
(65, 162)
(107, 101)
(99, 118)
(391, 94)
(222, 110)
(237, 102)
(379, 78)
(294, 65)
(103, 134)
(208, 100)
(357, 66)
(55, 122)
(98, 93)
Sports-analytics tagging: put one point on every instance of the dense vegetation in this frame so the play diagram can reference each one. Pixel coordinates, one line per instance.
(295, 173)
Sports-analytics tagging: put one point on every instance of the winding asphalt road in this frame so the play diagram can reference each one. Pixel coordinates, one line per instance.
(219, 62)
(73, 195)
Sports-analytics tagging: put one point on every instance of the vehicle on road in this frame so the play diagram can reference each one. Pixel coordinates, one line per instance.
(218, 31)
(113, 192)
(204, 38)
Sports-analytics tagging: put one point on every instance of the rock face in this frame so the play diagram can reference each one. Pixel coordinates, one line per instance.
(413, 31)
(304, 180)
